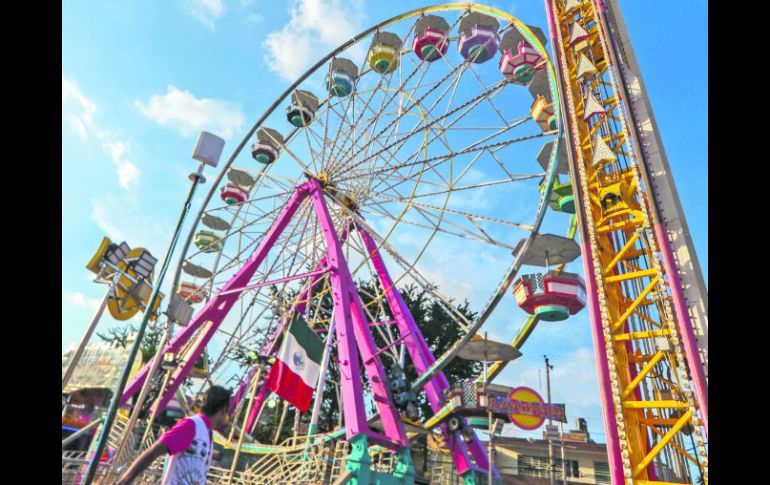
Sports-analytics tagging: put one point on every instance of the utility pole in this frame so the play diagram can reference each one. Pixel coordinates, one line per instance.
(491, 451)
(548, 368)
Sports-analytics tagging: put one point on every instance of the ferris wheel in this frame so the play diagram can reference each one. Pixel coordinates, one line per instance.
(431, 135)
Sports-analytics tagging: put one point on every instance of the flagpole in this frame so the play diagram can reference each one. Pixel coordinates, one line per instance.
(319, 391)
(320, 387)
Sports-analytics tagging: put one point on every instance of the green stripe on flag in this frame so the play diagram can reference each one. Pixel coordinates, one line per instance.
(307, 338)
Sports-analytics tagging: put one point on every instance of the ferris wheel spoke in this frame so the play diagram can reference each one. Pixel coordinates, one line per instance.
(415, 274)
(375, 114)
(439, 159)
(478, 217)
(489, 100)
(453, 70)
(374, 188)
(389, 76)
(435, 222)
(352, 139)
(514, 124)
(314, 155)
(239, 230)
(431, 227)
(414, 103)
(291, 154)
(235, 261)
(407, 137)
(467, 106)
(352, 102)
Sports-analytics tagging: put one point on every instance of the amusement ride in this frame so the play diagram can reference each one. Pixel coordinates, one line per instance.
(449, 126)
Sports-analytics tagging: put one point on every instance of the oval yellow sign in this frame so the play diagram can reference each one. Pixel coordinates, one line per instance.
(525, 416)
(126, 300)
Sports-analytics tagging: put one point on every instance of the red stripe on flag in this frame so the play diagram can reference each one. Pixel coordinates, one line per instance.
(289, 386)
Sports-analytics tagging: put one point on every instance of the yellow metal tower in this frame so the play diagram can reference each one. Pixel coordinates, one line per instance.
(647, 302)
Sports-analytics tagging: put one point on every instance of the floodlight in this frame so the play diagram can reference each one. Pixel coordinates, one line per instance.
(117, 253)
(145, 264)
(209, 149)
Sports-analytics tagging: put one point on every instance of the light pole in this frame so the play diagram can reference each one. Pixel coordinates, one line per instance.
(207, 152)
(548, 368)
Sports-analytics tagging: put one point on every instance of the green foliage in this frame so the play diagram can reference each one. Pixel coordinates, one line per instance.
(437, 326)
(119, 336)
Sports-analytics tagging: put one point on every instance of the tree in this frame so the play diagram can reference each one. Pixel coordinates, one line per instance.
(148, 348)
(119, 336)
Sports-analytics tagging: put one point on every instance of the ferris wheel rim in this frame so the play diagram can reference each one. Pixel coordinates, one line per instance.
(264, 171)
(542, 206)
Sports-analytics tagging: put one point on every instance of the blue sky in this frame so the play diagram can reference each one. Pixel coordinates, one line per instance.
(140, 79)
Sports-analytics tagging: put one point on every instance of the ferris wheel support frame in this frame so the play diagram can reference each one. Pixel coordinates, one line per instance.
(437, 364)
(423, 359)
(353, 336)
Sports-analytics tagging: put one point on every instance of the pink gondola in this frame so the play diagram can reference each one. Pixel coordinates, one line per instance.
(552, 297)
(234, 194)
(191, 292)
(521, 65)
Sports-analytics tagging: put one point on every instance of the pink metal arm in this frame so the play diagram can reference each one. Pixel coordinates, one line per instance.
(217, 308)
(352, 328)
(422, 358)
(271, 347)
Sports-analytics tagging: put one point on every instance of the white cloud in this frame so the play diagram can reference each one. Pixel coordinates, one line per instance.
(128, 174)
(314, 27)
(189, 114)
(207, 11)
(80, 300)
(124, 220)
(79, 112)
(79, 109)
(255, 18)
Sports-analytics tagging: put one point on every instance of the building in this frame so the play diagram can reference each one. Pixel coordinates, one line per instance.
(524, 461)
(99, 367)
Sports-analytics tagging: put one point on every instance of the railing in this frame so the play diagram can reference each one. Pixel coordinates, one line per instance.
(318, 463)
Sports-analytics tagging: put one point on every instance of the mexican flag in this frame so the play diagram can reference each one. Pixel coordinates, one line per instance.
(294, 374)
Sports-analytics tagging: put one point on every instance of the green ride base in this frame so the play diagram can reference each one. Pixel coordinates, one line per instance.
(262, 158)
(297, 121)
(552, 313)
(478, 478)
(429, 53)
(567, 204)
(478, 54)
(382, 66)
(479, 423)
(524, 74)
(359, 463)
